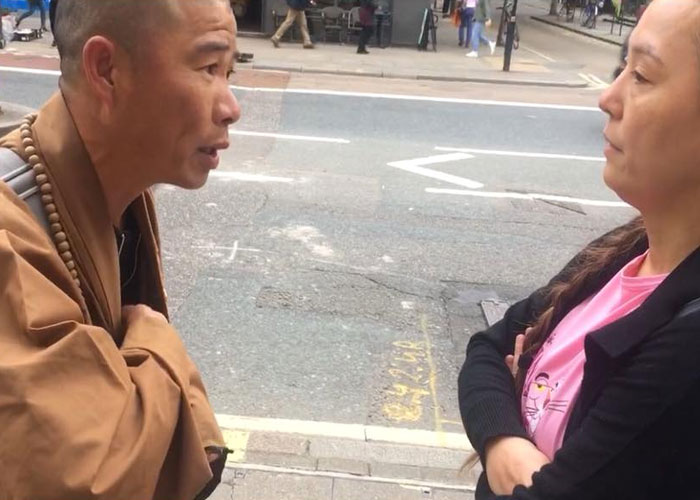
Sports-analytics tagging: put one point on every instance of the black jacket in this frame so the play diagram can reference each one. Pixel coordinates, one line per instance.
(634, 432)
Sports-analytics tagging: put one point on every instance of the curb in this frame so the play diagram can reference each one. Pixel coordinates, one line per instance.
(12, 115)
(356, 432)
(575, 30)
(440, 78)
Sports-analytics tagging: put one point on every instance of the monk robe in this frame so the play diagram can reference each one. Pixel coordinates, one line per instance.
(90, 408)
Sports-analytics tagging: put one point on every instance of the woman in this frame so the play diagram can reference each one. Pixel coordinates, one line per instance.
(605, 402)
(367, 8)
(482, 20)
(466, 16)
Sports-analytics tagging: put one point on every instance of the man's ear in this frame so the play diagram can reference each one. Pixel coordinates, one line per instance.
(98, 68)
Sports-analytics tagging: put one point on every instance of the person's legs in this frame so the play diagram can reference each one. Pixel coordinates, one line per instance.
(476, 35)
(32, 9)
(462, 27)
(365, 35)
(304, 28)
(42, 12)
(291, 16)
(470, 24)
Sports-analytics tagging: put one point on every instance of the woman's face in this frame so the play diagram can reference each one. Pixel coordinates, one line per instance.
(653, 131)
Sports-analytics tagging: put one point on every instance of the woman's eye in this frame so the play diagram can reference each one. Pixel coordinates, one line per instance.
(212, 69)
(638, 77)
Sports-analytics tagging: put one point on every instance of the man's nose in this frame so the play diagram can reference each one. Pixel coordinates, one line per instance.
(228, 110)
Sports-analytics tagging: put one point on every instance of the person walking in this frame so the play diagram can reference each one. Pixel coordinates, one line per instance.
(466, 13)
(482, 20)
(295, 13)
(33, 5)
(367, 8)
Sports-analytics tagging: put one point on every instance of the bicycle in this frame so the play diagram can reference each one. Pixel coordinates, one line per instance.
(567, 10)
(590, 13)
(503, 30)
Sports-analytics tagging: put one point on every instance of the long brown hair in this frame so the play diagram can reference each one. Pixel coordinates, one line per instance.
(576, 277)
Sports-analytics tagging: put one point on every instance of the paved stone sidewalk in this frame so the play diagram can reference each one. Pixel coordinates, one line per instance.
(277, 459)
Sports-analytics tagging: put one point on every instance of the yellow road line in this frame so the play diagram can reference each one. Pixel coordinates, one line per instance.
(238, 442)
(432, 379)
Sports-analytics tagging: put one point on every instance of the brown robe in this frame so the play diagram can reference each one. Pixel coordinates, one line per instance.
(87, 410)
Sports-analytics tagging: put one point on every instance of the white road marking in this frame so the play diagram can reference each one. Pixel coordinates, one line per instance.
(30, 71)
(549, 156)
(245, 177)
(530, 196)
(594, 82)
(414, 166)
(405, 97)
(289, 137)
(234, 251)
(537, 53)
(366, 95)
(357, 432)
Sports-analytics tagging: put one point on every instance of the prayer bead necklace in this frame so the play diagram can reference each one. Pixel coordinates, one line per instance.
(58, 234)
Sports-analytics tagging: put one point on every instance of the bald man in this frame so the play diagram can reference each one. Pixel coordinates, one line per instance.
(98, 397)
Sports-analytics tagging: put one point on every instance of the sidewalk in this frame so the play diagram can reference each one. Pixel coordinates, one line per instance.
(277, 459)
(600, 32)
(447, 64)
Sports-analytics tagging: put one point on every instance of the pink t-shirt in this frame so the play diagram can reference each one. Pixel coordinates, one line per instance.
(554, 379)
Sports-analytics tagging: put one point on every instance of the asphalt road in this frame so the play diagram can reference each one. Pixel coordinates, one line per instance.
(312, 280)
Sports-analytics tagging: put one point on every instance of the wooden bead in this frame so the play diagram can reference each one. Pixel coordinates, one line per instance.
(54, 218)
(56, 228)
(34, 159)
(60, 237)
(27, 142)
(66, 256)
(70, 265)
(77, 281)
(63, 247)
(50, 208)
(25, 133)
(39, 169)
(30, 150)
(46, 188)
(47, 199)
(41, 179)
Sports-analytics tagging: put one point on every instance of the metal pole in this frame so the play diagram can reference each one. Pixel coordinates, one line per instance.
(510, 36)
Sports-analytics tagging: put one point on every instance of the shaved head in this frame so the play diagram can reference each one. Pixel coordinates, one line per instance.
(127, 23)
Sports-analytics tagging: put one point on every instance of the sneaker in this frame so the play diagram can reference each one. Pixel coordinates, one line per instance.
(473, 54)
(492, 46)
(362, 51)
(275, 42)
(309, 46)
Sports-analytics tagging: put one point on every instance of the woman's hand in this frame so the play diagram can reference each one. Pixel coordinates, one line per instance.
(511, 461)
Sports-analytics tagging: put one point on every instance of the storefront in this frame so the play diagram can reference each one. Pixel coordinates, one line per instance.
(400, 19)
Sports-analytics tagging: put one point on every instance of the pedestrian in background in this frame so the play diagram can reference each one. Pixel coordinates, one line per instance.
(466, 16)
(446, 8)
(295, 13)
(33, 5)
(367, 8)
(482, 20)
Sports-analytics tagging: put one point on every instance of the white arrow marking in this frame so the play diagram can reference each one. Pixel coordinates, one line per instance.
(530, 196)
(415, 166)
(518, 154)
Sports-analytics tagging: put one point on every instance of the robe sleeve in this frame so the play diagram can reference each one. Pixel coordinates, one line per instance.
(80, 417)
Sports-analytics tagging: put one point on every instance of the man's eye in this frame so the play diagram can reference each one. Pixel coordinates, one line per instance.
(229, 74)
(212, 69)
